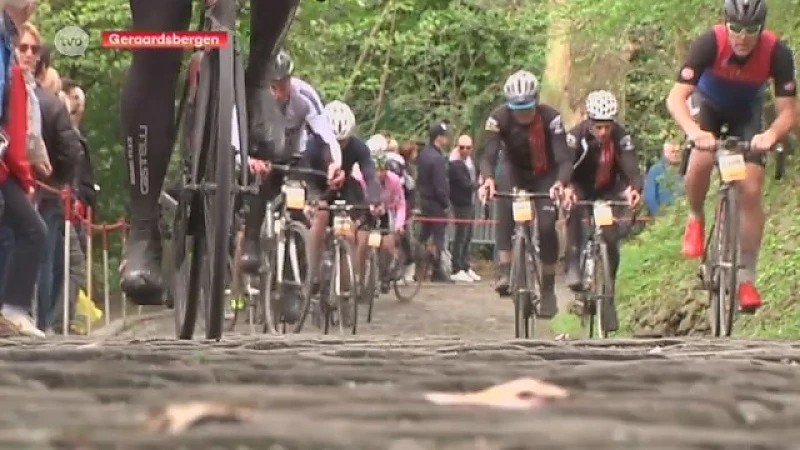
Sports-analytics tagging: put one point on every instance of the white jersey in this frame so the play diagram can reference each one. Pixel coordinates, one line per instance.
(305, 113)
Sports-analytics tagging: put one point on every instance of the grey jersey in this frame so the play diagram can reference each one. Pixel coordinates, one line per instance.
(304, 114)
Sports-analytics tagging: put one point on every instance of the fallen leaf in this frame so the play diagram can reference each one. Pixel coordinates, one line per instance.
(524, 393)
(175, 419)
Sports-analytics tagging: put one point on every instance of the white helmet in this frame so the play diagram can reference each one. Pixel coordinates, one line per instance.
(341, 118)
(377, 144)
(601, 105)
(521, 90)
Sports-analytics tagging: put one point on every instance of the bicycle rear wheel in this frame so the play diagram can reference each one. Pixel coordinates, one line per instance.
(406, 290)
(520, 274)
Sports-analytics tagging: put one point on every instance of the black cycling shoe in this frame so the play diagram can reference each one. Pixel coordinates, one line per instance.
(503, 287)
(141, 278)
(292, 304)
(250, 261)
(548, 304)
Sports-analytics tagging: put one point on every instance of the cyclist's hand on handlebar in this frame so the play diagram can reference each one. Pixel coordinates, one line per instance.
(763, 142)
(335, 176)
(557, 191)
(487, 190)
(377, 209)
(569, 197)
(632, 196)
(704, 141)
(259, 167)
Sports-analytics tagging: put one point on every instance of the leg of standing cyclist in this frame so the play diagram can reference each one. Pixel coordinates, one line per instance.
(148, 122)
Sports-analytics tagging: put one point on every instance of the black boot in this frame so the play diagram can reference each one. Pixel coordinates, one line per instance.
(251, 256)
(548, 304)
(141, 278)
(503, 280)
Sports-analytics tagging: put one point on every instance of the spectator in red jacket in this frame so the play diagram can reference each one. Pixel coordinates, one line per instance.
(19, 213)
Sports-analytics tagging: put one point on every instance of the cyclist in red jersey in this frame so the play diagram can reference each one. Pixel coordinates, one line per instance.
(722, 83)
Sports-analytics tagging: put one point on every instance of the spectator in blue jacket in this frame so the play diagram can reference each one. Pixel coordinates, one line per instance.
(433, 185)
(463, 184)
(664, 182)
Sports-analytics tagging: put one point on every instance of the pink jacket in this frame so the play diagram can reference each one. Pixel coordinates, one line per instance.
(392, 196)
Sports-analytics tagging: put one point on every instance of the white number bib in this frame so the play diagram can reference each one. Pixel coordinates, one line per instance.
(603, 216)
(732, 167)
(523, 212)
(295, 197)
(375, 239)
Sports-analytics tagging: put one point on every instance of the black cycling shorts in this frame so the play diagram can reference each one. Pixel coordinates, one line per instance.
(743, 124)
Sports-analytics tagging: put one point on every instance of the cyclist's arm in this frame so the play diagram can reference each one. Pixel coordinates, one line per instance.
(320, 126)
(701, 57)
(367, 167)
(629, 161)
(562, 155)
(782, 72)
(493, 145)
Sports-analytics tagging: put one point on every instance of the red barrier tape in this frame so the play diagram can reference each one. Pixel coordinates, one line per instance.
(121, 224)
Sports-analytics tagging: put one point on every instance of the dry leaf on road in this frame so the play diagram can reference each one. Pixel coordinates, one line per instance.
(175, 419)
(524, 393)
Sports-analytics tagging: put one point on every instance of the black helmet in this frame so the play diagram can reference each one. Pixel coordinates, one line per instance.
(282, 66)
(746, 12)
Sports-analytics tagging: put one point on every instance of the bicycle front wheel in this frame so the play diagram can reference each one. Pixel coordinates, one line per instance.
(217, 189)
(728, 261)
(371, 281)
(603, 293)
(520, 292)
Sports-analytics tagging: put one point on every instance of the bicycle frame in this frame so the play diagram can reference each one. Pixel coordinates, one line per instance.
(525, 281)
(718, 271)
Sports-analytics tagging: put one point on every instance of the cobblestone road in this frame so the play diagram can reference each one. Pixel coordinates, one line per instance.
(367, 392)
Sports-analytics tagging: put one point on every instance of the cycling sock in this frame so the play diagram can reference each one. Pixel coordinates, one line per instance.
(748, 261)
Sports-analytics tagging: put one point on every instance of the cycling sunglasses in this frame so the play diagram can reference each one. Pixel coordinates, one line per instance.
(736, 28)
(23, 48)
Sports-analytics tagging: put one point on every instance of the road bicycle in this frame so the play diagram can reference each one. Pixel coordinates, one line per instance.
(338, 281)
(525, 274)
(597, 296)
(285, 248)
(720, 265)
(213, 172)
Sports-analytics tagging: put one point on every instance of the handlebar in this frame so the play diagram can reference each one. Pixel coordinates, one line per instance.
(528, 195)
(730, 144)
(340, 207)
(608, 202)
(285, 168)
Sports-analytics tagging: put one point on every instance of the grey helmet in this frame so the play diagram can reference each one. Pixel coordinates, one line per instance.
(746, 12)
(282, 66)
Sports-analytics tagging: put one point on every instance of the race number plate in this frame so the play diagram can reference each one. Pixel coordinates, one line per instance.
(523, 212)
(603, 216)
(342, 226)
(731, 167)
(295, 197)
(375, 239)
